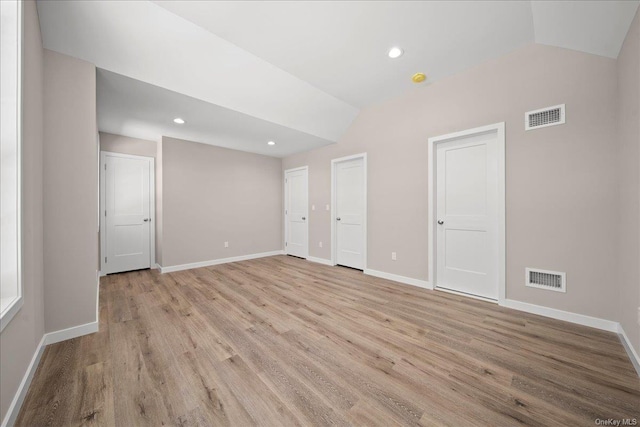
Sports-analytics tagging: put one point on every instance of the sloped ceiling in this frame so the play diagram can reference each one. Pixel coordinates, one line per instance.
(310, 66)
(139, 110)
(143, 41)
(341, 47)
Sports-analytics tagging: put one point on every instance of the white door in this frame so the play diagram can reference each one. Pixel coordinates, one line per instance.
(467, 215)
(350, 212)
(296, 196)
(127, 208)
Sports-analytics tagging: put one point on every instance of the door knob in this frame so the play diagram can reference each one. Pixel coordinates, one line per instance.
(304, 217)
(147, 219)
(440, 222)
(338, 219)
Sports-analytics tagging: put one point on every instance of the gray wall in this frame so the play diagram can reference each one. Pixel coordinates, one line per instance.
(70, 191)
(561, 180)
(212, 195)
(20, 338)
(628, 220)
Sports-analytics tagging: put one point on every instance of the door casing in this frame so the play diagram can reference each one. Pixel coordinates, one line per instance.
(499, 128)
(152, 212)
(334, 229)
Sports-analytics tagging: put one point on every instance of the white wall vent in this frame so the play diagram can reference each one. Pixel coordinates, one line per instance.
(544, 117)
(544, 279)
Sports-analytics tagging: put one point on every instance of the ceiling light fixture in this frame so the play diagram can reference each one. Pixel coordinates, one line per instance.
(395, 52)
(271, 143)
(179, 121)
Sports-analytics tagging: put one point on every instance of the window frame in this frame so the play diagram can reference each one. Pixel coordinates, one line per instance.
(13, 307)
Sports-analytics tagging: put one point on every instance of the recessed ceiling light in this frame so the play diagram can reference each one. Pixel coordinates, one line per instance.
(395, 52)
(178, 120)
(271, 143)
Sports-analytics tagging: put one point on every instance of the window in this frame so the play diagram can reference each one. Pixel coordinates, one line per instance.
(10, 143)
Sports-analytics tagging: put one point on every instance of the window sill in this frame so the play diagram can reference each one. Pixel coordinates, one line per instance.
(9, 307)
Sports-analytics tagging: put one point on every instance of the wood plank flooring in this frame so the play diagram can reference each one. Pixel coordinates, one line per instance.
(282, 341)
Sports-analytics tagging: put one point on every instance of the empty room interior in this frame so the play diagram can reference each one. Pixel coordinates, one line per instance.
(305, 213)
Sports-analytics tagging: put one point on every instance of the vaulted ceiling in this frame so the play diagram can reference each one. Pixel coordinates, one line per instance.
(305, 66)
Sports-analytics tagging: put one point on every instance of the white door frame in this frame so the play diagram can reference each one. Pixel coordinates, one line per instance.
(334, 229)
(152, 213)
(284, 210)
(500, 129)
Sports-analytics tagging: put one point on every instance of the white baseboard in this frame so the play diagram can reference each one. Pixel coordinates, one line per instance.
(320, 260)
(49, 338)
(173, 268)
(21, 393)
(69, 333)
(580, 319)
(397, 278)
(626, 343)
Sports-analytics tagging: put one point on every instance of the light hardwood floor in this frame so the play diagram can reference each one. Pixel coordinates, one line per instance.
(282, 341)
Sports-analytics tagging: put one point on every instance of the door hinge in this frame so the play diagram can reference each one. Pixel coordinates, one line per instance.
(286, 180)
(105, 212)
(286, 212)
(105, 260)
(105, 166)
(285, 243)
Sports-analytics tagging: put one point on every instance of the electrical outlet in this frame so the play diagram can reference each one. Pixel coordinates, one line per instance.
(327, 207)
(226, 244)
(393, 256)
(320, 244)
(313, 207)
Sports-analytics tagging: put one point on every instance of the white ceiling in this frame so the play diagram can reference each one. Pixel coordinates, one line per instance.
(597, 27)
(303, 65)
(130, 107)
(141, 40)
(340, 47)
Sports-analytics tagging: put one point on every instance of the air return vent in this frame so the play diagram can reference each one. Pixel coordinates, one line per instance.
(549, 116)
(543, 279)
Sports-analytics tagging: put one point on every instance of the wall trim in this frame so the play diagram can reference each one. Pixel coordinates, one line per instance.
(631, 352)
(21, 393)
(47, 339)
(172, 268)
(567, 316)
(397, 278)
(320, 260)
(69, 333)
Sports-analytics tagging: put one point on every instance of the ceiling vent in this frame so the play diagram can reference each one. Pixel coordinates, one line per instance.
(543, 279)
(544, 117)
